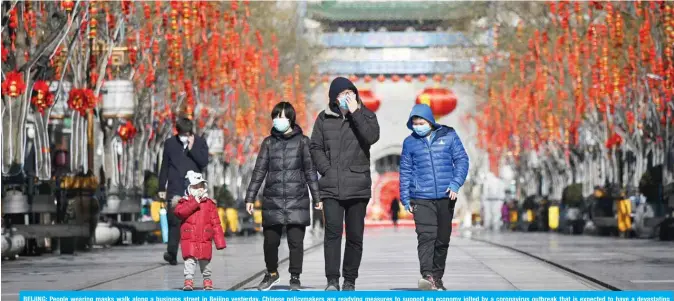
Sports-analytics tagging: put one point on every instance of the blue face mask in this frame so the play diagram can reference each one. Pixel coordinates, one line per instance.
(281, 124)
(342, 102)
(422, 130)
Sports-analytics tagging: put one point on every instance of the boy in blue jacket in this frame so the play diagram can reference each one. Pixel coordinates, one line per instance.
(433, 166)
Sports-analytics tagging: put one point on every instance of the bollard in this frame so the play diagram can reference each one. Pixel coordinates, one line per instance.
(223, 219)
(624, 212)
(553, 217)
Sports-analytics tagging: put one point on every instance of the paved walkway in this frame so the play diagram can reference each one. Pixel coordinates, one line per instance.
(390, 263)
(131, 268)
(628, 264)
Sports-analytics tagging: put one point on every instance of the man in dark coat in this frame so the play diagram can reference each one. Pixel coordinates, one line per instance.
(340, 146)
(182, 153)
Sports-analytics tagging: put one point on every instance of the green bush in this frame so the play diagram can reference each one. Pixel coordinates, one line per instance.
(572, 195)
(650, 182)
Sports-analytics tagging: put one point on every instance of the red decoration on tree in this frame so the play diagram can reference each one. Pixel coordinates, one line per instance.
(369, 99)
(127, 131)
(42, 99)
(81, 100)
(13, 84)
(442, 101)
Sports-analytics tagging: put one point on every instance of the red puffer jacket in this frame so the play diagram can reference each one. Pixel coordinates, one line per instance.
(200, 226)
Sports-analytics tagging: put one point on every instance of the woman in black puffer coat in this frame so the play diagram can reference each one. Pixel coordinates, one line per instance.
(284, 164)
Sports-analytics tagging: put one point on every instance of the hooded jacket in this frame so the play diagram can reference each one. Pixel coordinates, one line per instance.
(200, 227)
(284, 164)
(340, 146)
(430, 166)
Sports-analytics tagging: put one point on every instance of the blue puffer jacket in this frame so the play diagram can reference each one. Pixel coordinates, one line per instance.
(429, 167)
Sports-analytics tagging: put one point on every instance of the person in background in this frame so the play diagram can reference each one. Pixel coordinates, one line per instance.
(395, 210)
(340, 145)
(433, 167)
(284, 164)
(493, 197)
(201, 227)
(182, 153)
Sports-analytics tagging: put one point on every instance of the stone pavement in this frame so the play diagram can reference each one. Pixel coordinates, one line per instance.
(132, 268)
(390, 263)
(628, 264)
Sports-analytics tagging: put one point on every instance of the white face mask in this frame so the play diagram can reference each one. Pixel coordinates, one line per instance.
(31, 133)
(197, 192)
(183, 139)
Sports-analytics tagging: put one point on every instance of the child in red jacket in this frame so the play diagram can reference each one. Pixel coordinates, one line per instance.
(200, 227)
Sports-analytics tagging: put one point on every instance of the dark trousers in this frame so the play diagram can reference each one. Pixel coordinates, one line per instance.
(433, 222)
(337, 213)
(272, 240)
(174, 228)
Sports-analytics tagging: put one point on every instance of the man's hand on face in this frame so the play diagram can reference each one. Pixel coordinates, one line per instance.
(352, 103)
(190, 142)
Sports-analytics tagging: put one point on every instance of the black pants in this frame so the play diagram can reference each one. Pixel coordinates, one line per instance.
(272, 240)
(337, 213)
(174, 229)
(433, 222)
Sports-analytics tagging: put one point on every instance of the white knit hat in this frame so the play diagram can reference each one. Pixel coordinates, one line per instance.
(194, 178)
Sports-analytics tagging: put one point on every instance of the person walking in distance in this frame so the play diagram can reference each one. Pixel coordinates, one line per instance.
(284, 164)
(493, 197)
(395, 210)
(182, 153)
(433, 167)
(340, 146)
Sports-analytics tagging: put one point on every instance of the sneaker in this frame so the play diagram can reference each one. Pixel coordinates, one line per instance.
(295, 283)
(349, 285)
(189, 285)
(208, 284)
(170, 259)
(439, 285)
(269, 280)
(426, 283)
(333, 285)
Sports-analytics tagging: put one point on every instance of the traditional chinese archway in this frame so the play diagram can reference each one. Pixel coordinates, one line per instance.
(385, 190)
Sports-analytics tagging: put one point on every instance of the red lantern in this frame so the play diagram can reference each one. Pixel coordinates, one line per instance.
(381, 78)
(326, 79)
(442, 101)
(13, 84)
(395, 78)
(422, 78)
(408, 78)
(43, 98)
(81, 100)
(353, 78)
(370, 100)
(367, 78)
(437, 78)
(127, 131)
